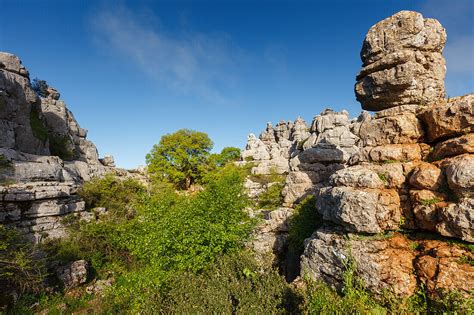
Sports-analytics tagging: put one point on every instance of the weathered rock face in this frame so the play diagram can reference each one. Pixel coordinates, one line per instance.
(388, 264)
(449, 119)
(408, 167)
(44, 156)
(73, 274)
(402, 62)
(384, 265)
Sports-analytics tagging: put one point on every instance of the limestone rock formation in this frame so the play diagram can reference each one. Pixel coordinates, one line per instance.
(408, 167)
(44, 156)
(402, 62)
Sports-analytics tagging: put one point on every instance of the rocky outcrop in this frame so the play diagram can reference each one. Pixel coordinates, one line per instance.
(391, 185)
(44, 156)
(402, 62)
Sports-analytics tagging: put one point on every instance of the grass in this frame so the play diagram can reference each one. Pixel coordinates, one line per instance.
(415, 246)
(432, 201)
(390, 161)
(374, 237)
(466, 260)
(383, 177)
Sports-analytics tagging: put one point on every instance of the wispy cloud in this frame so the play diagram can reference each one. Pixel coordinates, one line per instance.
(186, 62)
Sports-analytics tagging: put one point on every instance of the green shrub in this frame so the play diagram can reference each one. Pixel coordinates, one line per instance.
(20, 266)
(354, 298)
(4, 163)
(303, 223)
(115, 194)
(232, 285)
(37, 125)
(169, 233)
(427, 202)
(61, 146)
(383, 178)
(272, 197)
(40, 87)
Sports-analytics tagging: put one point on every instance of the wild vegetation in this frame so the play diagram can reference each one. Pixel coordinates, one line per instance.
(163, 249)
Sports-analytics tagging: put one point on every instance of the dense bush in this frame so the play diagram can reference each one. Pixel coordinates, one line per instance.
(61, 146)
(232, 285)
(303, 223)
(117, 195)
(21, 267)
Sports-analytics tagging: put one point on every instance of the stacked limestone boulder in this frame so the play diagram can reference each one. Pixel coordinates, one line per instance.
(44, 156)
(414, 171)
(393, 187)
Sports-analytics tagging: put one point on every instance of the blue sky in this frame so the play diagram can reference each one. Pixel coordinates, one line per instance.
(132, 71)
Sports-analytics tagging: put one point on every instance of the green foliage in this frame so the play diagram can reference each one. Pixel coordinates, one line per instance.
(228, 154)
(169, 233)
(263, 179)
(217, 160)
(272, 197)
(180, 158)
(303, 223)
(232, 285)
(4, 162)
(451, 302)
(390, 161)
(427, 202)
(19, 266)
(215, 223)
(415, 246)
(354, 298)
(37, 125)
(466, 260)
(60, 145)
(383, 178)
(117, 195)
(40, 87)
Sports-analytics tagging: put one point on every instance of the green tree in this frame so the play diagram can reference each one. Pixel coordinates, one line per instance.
(40, 87)
(180, 157)
(228, 154)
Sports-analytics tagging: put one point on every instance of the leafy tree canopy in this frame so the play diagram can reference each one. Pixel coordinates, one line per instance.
(180, 157)
(228, 154)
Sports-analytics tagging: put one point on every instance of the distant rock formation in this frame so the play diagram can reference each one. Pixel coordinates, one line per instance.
(44, 156)
(409, 168)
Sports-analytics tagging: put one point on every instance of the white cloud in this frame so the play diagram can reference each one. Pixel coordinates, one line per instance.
(187, 62)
